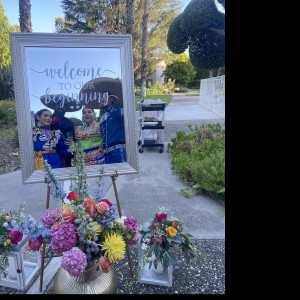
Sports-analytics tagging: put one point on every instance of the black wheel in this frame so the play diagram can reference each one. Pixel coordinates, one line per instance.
(161, 150)
(141, 150)
(139, 142)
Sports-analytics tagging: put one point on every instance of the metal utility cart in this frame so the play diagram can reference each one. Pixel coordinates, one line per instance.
(149, 125)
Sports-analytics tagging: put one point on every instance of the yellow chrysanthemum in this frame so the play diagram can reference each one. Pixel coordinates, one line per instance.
(98, 230)
(115, 247)
(171, 231)
(8, 241)
(8, 218)
(5, 244)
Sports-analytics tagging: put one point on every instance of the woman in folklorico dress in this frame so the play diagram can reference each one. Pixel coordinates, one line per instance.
(48, 144)
(90, 138)
(108, 97)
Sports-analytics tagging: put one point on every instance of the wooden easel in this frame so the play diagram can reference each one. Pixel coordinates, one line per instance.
(113, 178)
(44, 244)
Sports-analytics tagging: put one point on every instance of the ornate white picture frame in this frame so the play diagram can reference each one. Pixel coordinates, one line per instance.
(37, 52)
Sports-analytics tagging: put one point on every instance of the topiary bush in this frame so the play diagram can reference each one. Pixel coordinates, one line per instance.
(198, 158)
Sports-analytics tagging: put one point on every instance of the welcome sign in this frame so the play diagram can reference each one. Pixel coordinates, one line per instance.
(62, 75)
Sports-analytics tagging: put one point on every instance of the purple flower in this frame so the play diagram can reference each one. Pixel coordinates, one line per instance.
(134, 240)
(51, 216)
(63, 237)
(74, 261)
(131, 223)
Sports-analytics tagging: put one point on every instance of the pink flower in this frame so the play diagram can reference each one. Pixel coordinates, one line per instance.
(105, 264)
(131, 223)
(67, 215)
(72, 196)
(15, 236)
(101, 208)
(74, 261)
(160, 217)
(89, 205)
(56, 224)
(36, 245)
(63, 238)
(107, 201)
(51, 216)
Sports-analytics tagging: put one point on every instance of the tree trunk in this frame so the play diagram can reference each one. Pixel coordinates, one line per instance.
(144, 51)
(129, 16)
(25, 15)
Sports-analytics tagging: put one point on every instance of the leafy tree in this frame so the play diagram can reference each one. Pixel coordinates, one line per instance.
(6, 83)
(98, 16)
(201, 29)
(25, 15)
(181, 70)
(5, 29)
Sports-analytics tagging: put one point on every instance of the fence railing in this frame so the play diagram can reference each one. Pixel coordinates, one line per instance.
(212, 94)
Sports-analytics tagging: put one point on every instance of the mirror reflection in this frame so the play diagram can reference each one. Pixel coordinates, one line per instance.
(76, 97)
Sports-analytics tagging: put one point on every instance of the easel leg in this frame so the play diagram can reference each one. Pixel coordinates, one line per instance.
(44, 244)
(120, 214)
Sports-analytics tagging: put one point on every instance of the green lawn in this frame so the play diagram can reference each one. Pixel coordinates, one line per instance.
(165, 98)
(192, 94)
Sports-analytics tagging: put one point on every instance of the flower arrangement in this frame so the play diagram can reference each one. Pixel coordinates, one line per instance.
(162, 237)
(84, 229)
(8, 236)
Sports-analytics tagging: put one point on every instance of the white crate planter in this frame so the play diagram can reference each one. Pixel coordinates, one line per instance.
(24, 264)
(152, 276)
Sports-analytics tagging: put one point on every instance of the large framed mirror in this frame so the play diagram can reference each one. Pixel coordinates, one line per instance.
(86, 79)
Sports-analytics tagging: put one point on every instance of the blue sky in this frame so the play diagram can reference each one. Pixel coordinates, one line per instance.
(43, 13)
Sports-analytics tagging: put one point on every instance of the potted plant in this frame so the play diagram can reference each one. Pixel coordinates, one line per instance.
(162, 237)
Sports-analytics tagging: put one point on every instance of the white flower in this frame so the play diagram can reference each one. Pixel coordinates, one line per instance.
(144, 246)
(120, 221)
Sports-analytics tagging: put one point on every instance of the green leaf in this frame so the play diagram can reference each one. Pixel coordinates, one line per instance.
(196, 186)
(168, 259)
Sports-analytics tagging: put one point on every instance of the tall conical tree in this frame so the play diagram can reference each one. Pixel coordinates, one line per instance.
(25, 15)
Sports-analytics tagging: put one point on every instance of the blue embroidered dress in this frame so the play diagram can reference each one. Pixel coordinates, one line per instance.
(50, 145)
(113, 132)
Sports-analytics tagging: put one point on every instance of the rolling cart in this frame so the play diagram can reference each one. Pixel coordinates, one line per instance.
(150, 127)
